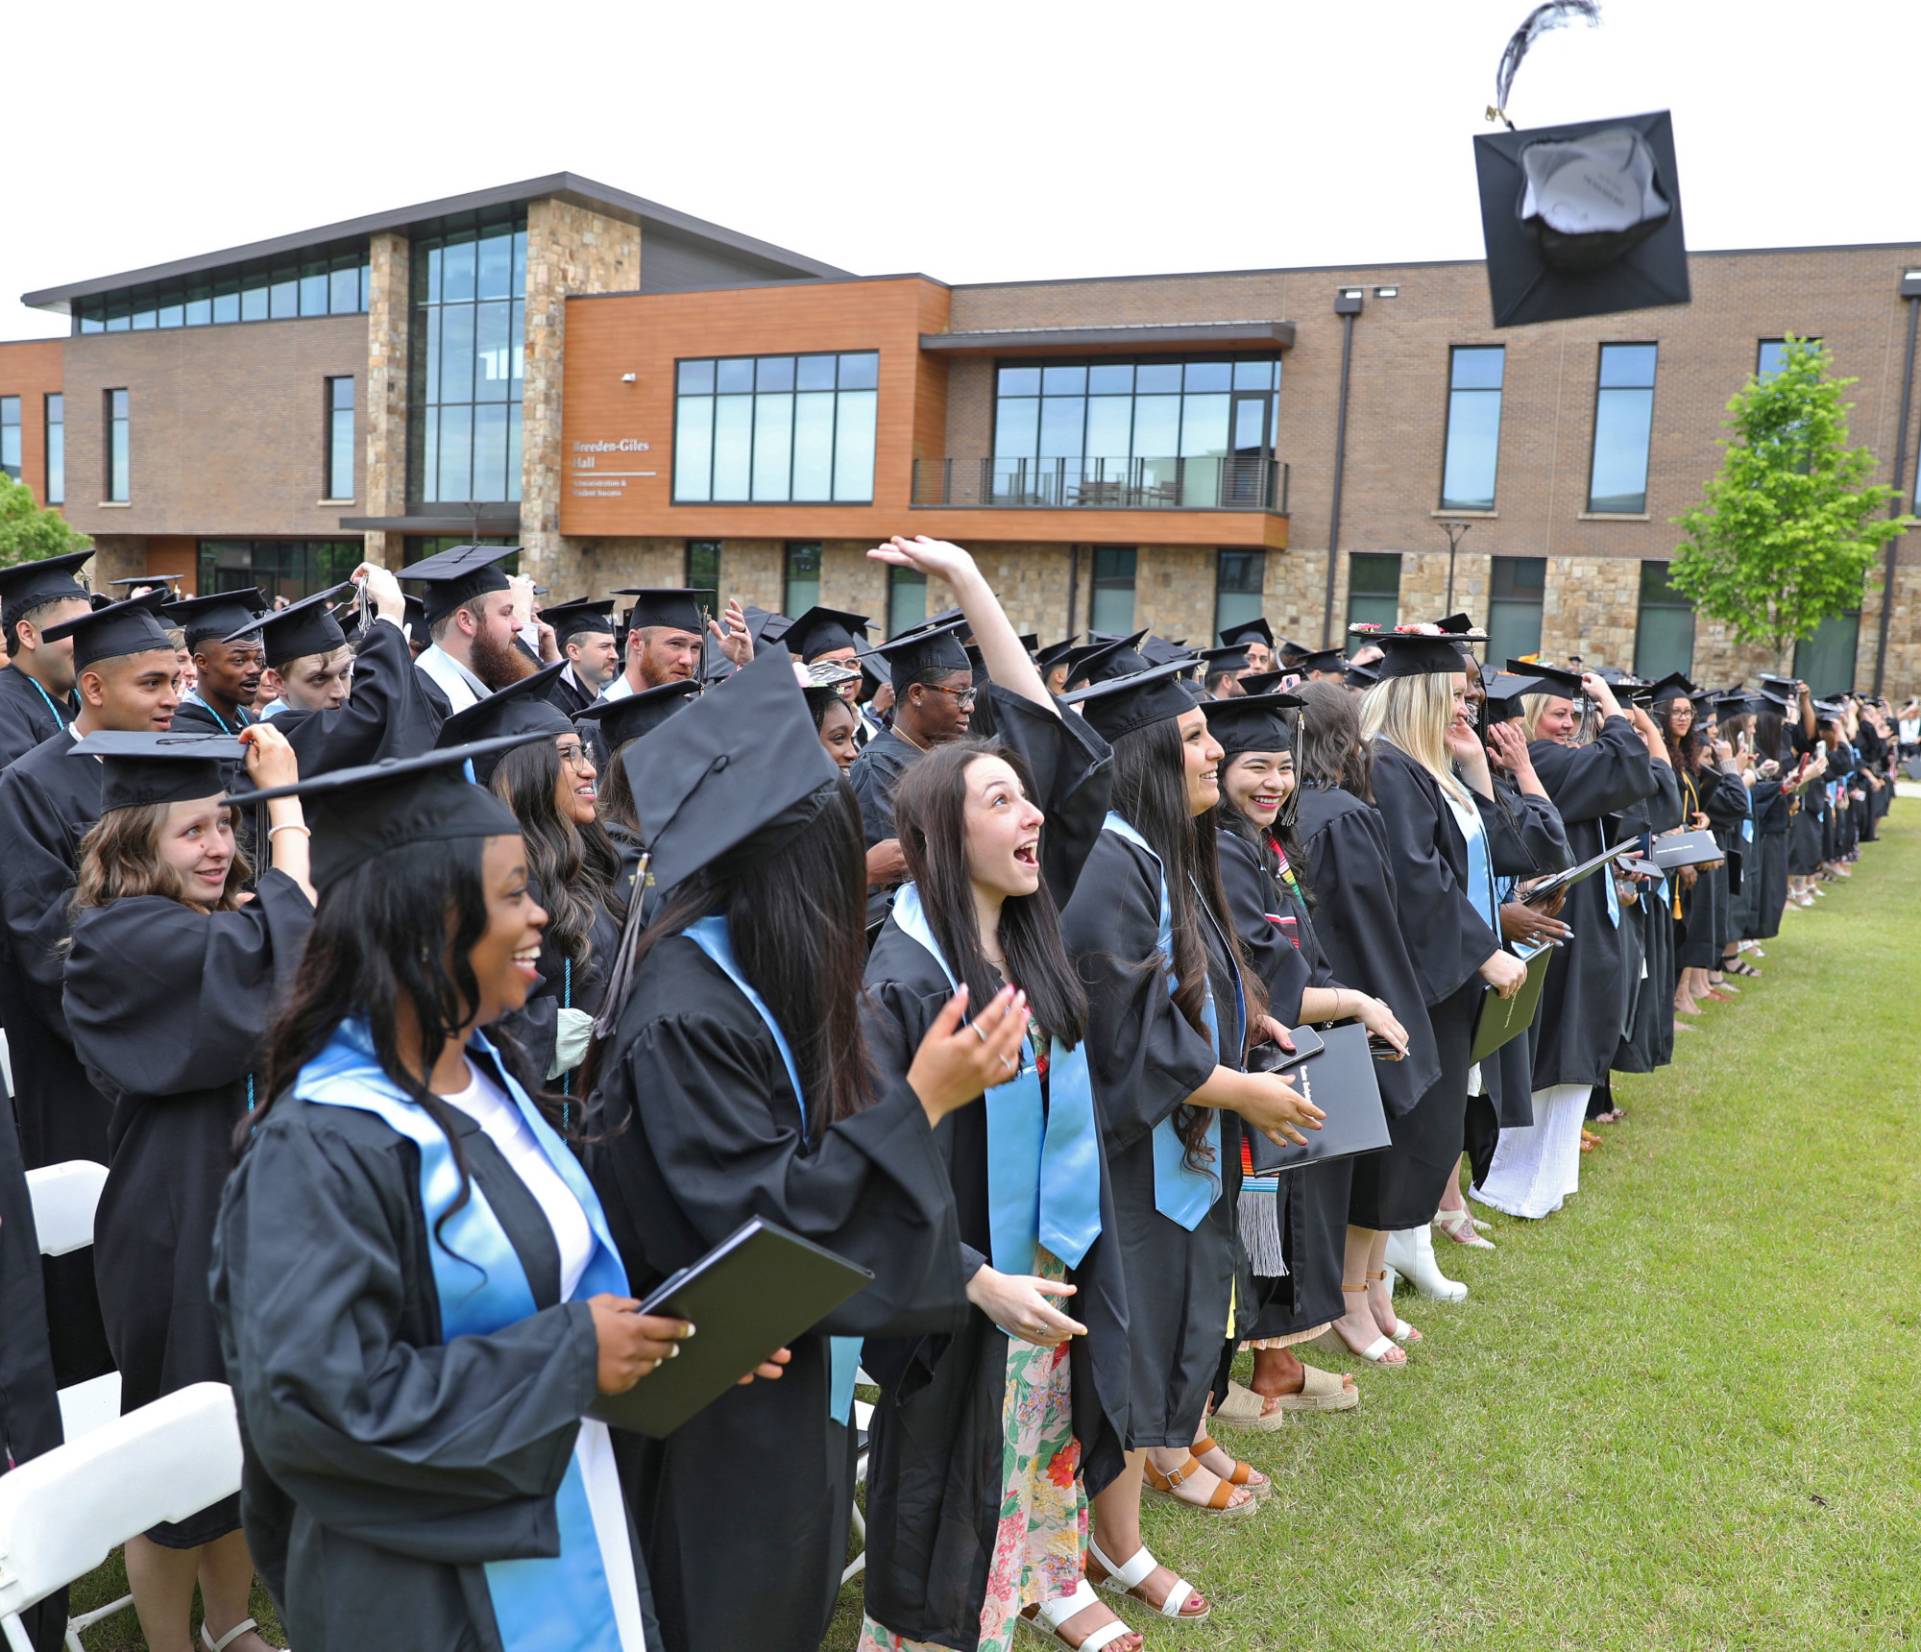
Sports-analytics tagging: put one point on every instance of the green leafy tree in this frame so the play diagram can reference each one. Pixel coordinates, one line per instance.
(1789, 527)
(27, 532)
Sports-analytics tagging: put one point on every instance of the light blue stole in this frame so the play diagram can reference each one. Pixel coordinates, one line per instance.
(1041, 1188)
(539, 1605)
(711, 936)
(1182, 1193)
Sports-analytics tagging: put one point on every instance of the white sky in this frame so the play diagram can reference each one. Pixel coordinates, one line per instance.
(977, 141)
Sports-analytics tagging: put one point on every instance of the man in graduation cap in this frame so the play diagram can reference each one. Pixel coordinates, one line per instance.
(227, 674)
(36, 687)
(667, 628)
(1256, 637)
(1322, 665)
(1222, 670)
(584, 632)
(469, 610)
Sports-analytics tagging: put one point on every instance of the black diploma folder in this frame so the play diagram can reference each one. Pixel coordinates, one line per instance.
(1502, 1019)
(1574, 874)
(1680, 849)
(755, 1291)
(1340, 1081)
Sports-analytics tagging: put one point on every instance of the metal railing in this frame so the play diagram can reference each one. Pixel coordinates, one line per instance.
(1231, 483)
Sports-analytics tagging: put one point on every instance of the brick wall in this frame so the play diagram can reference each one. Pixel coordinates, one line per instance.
(32, 369)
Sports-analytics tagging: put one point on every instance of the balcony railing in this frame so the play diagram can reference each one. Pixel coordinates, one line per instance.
(1233, 483)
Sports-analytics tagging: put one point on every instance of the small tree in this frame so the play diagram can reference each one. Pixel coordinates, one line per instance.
(27, 533)
(1790, 526)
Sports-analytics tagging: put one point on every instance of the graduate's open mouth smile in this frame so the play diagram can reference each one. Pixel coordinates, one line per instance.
(1266, 802)
(586, 790)
(527, 961)
(1028, 854)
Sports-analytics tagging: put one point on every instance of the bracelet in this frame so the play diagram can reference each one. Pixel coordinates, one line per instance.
(289, 826)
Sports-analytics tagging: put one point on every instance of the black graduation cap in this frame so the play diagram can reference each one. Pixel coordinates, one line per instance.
(1333, 659)
(1031, 641)
(1165, 651)
(216, 616)
(948, 616)
(28, 584)
(1787, 686)
(416, 614)
(1263, 682)
(1120, 705)
(1454, 622)
(931, 648)
(1775, 698)
(1361, 676)
(458, 575)
(1216, 660)
(1102, 662)
(360, 814)
(571, 619)
(1582, 219)
(1291, 653)
(1414, 653)
(157, 580)
(1052, 655)
(145, 766)
(1504, 693)
(301, 628)
(670, 608)
(1550, 679)
(1251, 722)
(633, 715)
(1674, 686)
(1254, 630)
(120, 628)
(1735, 703)
(821, 630)
(519, 708)
(738, 771)
(765, 627)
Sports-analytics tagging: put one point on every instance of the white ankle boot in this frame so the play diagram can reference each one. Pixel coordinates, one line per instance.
(1410, 1253)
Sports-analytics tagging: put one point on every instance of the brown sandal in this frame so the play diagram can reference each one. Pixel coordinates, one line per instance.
(1243, 1475)
(1163, 1485)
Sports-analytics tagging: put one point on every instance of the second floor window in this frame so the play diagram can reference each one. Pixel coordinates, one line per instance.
(469, 365)
(56, 449)
(119, 449)
(776, 429)
(340, 438)
(10, 436)
(1474, 375)
(1623, 426)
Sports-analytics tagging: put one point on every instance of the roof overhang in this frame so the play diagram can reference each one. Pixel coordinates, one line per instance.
(1179, 335)
(474, 519)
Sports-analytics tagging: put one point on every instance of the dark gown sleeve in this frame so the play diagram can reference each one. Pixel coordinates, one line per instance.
(873, 778)
(1664, 804)
(1524, 833)
(1724, 799)
(388, 714)
(38, 886)
(1252, 902)
(1610, 773)
(1073, 772)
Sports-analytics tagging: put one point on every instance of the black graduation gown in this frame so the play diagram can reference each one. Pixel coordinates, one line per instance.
(1145, 1060)
(1704, 926)
(535, 1026)
(567, 694)
(875, 775)
(1577, 1027)
(195, 717)
(1648, 1041)
(743, 1513)
(1447, 942)
(1772, 819)
(934, 1463)
(48, 801)
(388, 714)
(166, 1006)
(385, 1465)
(25, 720)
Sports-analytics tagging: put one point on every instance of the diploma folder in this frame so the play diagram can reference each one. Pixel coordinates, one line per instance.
(1574, 874)
(755, 1291)
(1502, 1020)
(1686, 849)
(1340, 1081)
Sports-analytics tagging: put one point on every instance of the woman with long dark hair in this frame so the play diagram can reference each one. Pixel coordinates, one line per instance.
(734, 1081)
(1773, 813)
(1176, 1012)
(1696, 896)
(171, 974)
(609, 727)
(417, 1294)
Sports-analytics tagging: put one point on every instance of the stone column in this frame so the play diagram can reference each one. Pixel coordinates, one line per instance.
(389, 308)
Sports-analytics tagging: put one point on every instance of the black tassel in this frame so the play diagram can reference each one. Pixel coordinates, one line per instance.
(1539, 22)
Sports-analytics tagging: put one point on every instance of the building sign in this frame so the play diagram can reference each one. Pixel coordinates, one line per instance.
(602, 470)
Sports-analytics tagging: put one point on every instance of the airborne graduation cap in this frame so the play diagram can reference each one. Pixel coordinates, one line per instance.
(935, 648)
(217, 616)
(631, 716)
(29, 584)
(822, 630)
(579, 617)
(147, 766)
(301, 628)
(458, 575)
(519, 708)
(118, 629)
(1121, 705)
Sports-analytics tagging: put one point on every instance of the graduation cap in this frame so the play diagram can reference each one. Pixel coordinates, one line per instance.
(1410, 653)
(1251, 722)
(572, 619)
(933, 648)
(633, 715)
(416, 613)
(1674, 686)
(1775, 698)
(1455, 623)
(823, 630)
(1117, 657)
(1053, 654)
(764, 626)
(823, 681)
(667, 608)
(1735, 704)
(735, 774)
(1787, 686)
(519, 708)
(458, 575)
(948, 616)
(1254, 630)
(1031, 641)
(1216, 660)
(1165, 651)
(29, 584)
(360, 814)
(1362, 677)
(1549, 679)
(214, 617)
(1121, 705)
(1290, 653)
(146, 766)
(301, 628)
(157, 580)
(120, 628)
(1334, 660)
(1504, 692)
(1263, 682)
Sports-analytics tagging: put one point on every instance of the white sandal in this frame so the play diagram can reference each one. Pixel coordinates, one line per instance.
(1124, 1580)
(1051, 1615)
(1403, 1333)
(244, 1626)
(1459, 1226)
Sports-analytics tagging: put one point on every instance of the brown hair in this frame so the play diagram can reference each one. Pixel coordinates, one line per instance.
(120, 860)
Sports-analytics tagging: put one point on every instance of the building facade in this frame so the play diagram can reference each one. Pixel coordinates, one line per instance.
(638, 397)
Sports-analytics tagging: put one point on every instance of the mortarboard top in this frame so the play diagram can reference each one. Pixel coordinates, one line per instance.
(1252, 722)
(146, 766)
(1549, 679)
(1031, 641)
(633, 715)
(765, 627)
(823, 680)
(1094, 636)
(1053, 654)
(1254, 630)
(158, 581)
(1775, 698)
(1411, 651)
(519, 708)
(822, 630)
(931, 648)
(1734, 704)
(416, 610)
(1787, 687)
(1288, 650)
(1102, 662)
(1582, 219)
(301, 628)
(947, 616)
(668, 608)
(1264, 682)
(28, 584)
(458, 575)
(1333, 659)
(1674, 686)
(1231, 658)
(99, 599)
(1362, 676)
(120, 628)
(578, 617)
(1121, 705)
(360, 814)
(1505, 690)
(1454, 622)
(737, 772)
(215, 616)
(1165, 651)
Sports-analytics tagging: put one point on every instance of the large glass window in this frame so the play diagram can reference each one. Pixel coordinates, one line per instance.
(1517, 586)
(340, 438)
(1374, 589)
(1825, 661)
(1106, 432)
(784, 429)
(290, 568)
(800, 583)
(1664, 629)
(1623, 425)
(1237, 587)
(703, 565)
(336, 283)
(1474, 375)
(10, 436)
(1111, 607)
(56, 415)
(119, 412)
(469, 365)
(906, 599)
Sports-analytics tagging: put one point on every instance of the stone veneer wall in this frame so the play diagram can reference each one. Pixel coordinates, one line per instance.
(384, 466)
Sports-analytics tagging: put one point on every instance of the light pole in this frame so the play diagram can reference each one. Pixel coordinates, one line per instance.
(1454, 530)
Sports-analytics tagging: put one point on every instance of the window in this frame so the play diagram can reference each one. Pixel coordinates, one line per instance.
(10, 436)
(1664, 631)
(1825, 661)
(56, 415)
(1516, 587)
(1771, 355)
(906, 599)
(290, 568)
(1106, 432)
(340, 438)
(703, 565)
(1474, 374)
(469, 365)
(1623, 424)
(1237, 587)
(1111, 608)
(327, 283)
(1374, 589)
(786, 429)
(119, 453)
(800, 586)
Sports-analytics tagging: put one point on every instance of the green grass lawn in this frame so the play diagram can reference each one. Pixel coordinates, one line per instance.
(1684, 1413)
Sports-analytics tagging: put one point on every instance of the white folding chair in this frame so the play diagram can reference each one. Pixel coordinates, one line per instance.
(65, 1197)
(6, 1060)
(62, 1513)
(863, 1422)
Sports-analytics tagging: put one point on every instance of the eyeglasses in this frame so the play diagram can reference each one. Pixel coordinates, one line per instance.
(575, 757)
(963, 697)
